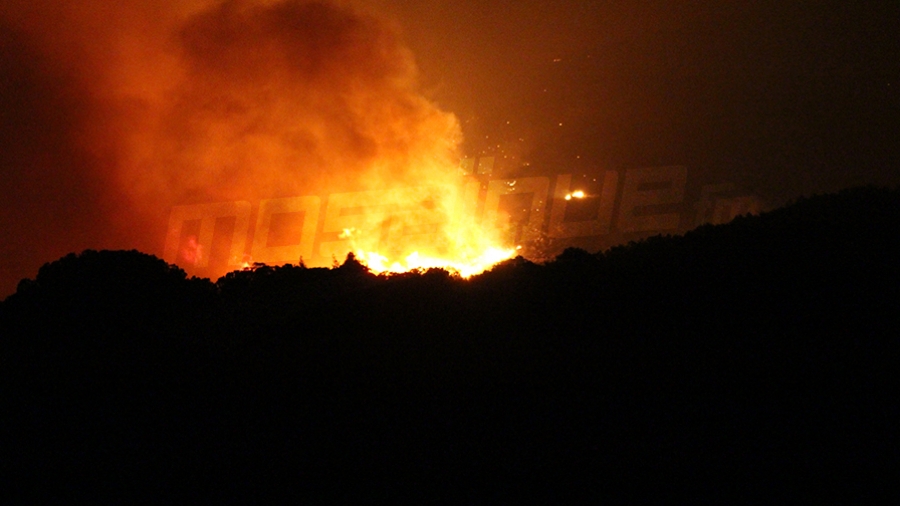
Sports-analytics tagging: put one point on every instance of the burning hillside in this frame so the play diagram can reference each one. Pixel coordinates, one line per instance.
(254, 101)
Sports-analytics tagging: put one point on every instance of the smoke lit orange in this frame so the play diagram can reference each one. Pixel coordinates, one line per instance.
(212, 101)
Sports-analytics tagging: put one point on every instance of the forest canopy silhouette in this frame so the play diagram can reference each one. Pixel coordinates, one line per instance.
(737, 360)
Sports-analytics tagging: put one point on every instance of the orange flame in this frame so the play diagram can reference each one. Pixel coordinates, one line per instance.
(211, 101)
(423, 228)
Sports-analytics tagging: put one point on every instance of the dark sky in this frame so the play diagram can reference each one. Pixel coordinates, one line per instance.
(787, 98)
(782, 98)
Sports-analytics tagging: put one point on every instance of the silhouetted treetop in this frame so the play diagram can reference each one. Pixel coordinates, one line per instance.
(765, 345)
(110, 291)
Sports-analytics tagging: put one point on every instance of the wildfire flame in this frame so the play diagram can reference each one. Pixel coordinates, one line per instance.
(213, 101)
(465, 267)
(422, 228)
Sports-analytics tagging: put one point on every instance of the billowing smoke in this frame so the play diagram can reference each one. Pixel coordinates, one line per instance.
(287, 98)
(112, 112)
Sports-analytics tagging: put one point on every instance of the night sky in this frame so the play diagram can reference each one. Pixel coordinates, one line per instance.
(782, 98)
(786, 98)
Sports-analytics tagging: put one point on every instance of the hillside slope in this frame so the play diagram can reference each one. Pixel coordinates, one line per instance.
(751, 360)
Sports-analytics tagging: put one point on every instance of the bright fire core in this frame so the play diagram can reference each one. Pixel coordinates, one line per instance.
(417, 229)
(464, 267)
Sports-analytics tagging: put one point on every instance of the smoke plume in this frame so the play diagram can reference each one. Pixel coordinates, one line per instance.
(112, 112)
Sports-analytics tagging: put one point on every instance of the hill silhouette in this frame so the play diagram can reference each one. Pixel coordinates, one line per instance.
(753, 360)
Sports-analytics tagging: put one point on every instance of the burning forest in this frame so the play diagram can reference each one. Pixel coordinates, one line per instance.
(204, 102)
(420, 135)
(713, 364)
(448, 251)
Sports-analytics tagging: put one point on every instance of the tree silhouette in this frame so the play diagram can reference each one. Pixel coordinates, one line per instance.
(760, 348)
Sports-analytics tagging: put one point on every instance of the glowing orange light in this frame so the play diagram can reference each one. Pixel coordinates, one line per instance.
(464, 267)
(424, 228)
(192, 253)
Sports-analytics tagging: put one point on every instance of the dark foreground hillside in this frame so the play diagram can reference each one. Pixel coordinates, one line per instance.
(749, 361)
